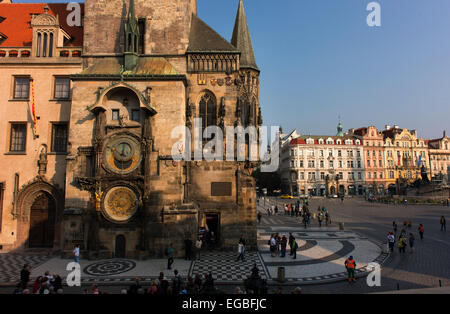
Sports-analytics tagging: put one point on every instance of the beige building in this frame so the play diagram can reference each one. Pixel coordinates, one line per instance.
(373, 150)
(406, 157)
(322, 165)
(38, 52)
(439, 151)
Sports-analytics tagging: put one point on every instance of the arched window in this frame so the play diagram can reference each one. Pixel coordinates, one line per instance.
(44, 53)
(208, 106)
(50, 46)
(38, 46)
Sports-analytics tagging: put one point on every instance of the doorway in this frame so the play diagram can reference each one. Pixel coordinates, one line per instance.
(120, 248)
(42, 222)
(213, 234)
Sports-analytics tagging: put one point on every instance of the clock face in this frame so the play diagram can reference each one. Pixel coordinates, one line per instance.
(122, 154)
(120, 204)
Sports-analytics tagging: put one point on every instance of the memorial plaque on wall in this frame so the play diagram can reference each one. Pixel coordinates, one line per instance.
(221, 189)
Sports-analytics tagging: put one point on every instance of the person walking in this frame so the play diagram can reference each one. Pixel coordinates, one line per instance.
(411, 241)
(294, 248)
(291, 239)
(401, 244)
(421, 231)
(350, 265)
(241, 250)
(391, 241)
(273, 245)
(25, 276)
(443, 224)
(198, 247)
(319, 219)
(395, 227)
(188, 249)
(259, 217)
(283, 246)
(76, 253)
(170, 253)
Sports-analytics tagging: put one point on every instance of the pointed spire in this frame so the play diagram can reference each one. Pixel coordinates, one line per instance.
(340, 129)
(241, 39)
(131, 30)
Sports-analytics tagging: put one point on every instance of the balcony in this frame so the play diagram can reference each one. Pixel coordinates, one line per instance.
(14, 53)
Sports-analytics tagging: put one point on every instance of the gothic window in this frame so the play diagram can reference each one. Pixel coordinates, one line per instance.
(44, 52)
(38, 46)
(50, 45)
(208, 113)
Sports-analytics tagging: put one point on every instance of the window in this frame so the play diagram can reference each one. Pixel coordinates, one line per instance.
(21, 87)
(115, 114)
(62, 87)
(359, 176)
(331, 164)
(301, 164)
(322, 176)
(208, 109)
(18, 137)
(302, 175)
(59, 138)
(321, 164)
(135, 114)
(339, 153)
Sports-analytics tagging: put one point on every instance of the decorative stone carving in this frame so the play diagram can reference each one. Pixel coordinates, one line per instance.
(42, 162)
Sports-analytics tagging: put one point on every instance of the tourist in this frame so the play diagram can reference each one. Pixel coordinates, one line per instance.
(259, 217)
(95, 290)
(153, 288)
(273, 245)
(276, 210)
(170, 252)
(294, 248)
(25, 276)
(188, 248)
(402, 244)
(411, 240)
(319, 219)
(37, 284)
(421, 231)
(443, 226)
(391, 241)
(238, 290)
(283, 246)
(176, 283)
(394, 226)
(76, 253)
(56, 283)
(241, 249)
(198, 247)
(291, 238)
(135, 286)
(350, 265)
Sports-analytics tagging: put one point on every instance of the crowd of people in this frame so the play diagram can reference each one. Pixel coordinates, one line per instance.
(45, 284)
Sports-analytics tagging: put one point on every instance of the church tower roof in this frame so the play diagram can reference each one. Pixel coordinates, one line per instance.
(241, 39)
(340, 129)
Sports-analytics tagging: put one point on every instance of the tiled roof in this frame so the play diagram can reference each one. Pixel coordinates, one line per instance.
(204, 39)
(17, 18)
(302, 140)
(146, 66)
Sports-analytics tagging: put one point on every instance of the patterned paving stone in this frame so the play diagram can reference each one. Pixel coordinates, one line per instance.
(11, 265)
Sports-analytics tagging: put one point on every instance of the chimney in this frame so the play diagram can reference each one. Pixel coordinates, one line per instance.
(443, 134)
(396, 126)
(387, 127)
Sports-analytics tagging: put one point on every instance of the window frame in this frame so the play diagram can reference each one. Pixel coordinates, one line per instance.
(56, 78)
(52, 139)
(15, 78)
(12, 124)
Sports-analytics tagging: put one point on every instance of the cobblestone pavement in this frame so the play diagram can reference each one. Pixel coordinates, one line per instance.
(424, 268)
(11, 265)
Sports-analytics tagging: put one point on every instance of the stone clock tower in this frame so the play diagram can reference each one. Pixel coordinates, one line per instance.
(152, 66)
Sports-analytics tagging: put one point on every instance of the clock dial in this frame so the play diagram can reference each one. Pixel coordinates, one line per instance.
(122, 154)
(120, 204)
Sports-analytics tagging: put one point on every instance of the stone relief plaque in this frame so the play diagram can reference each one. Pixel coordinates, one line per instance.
(221, 189)
(120, 204)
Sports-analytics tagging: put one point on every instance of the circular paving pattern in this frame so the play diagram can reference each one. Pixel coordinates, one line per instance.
(109, 268)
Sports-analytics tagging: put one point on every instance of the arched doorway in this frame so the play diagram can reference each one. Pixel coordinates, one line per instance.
(332, 190)
(42, 221)
(120, 247)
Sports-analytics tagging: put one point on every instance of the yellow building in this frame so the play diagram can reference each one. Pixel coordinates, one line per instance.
(406, 157)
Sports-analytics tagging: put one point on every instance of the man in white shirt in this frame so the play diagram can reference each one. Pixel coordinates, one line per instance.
(76, 253)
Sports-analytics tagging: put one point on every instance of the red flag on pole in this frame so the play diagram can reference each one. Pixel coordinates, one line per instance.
(33, 108)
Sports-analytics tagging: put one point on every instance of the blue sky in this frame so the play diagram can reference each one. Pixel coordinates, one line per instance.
(319, 60)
